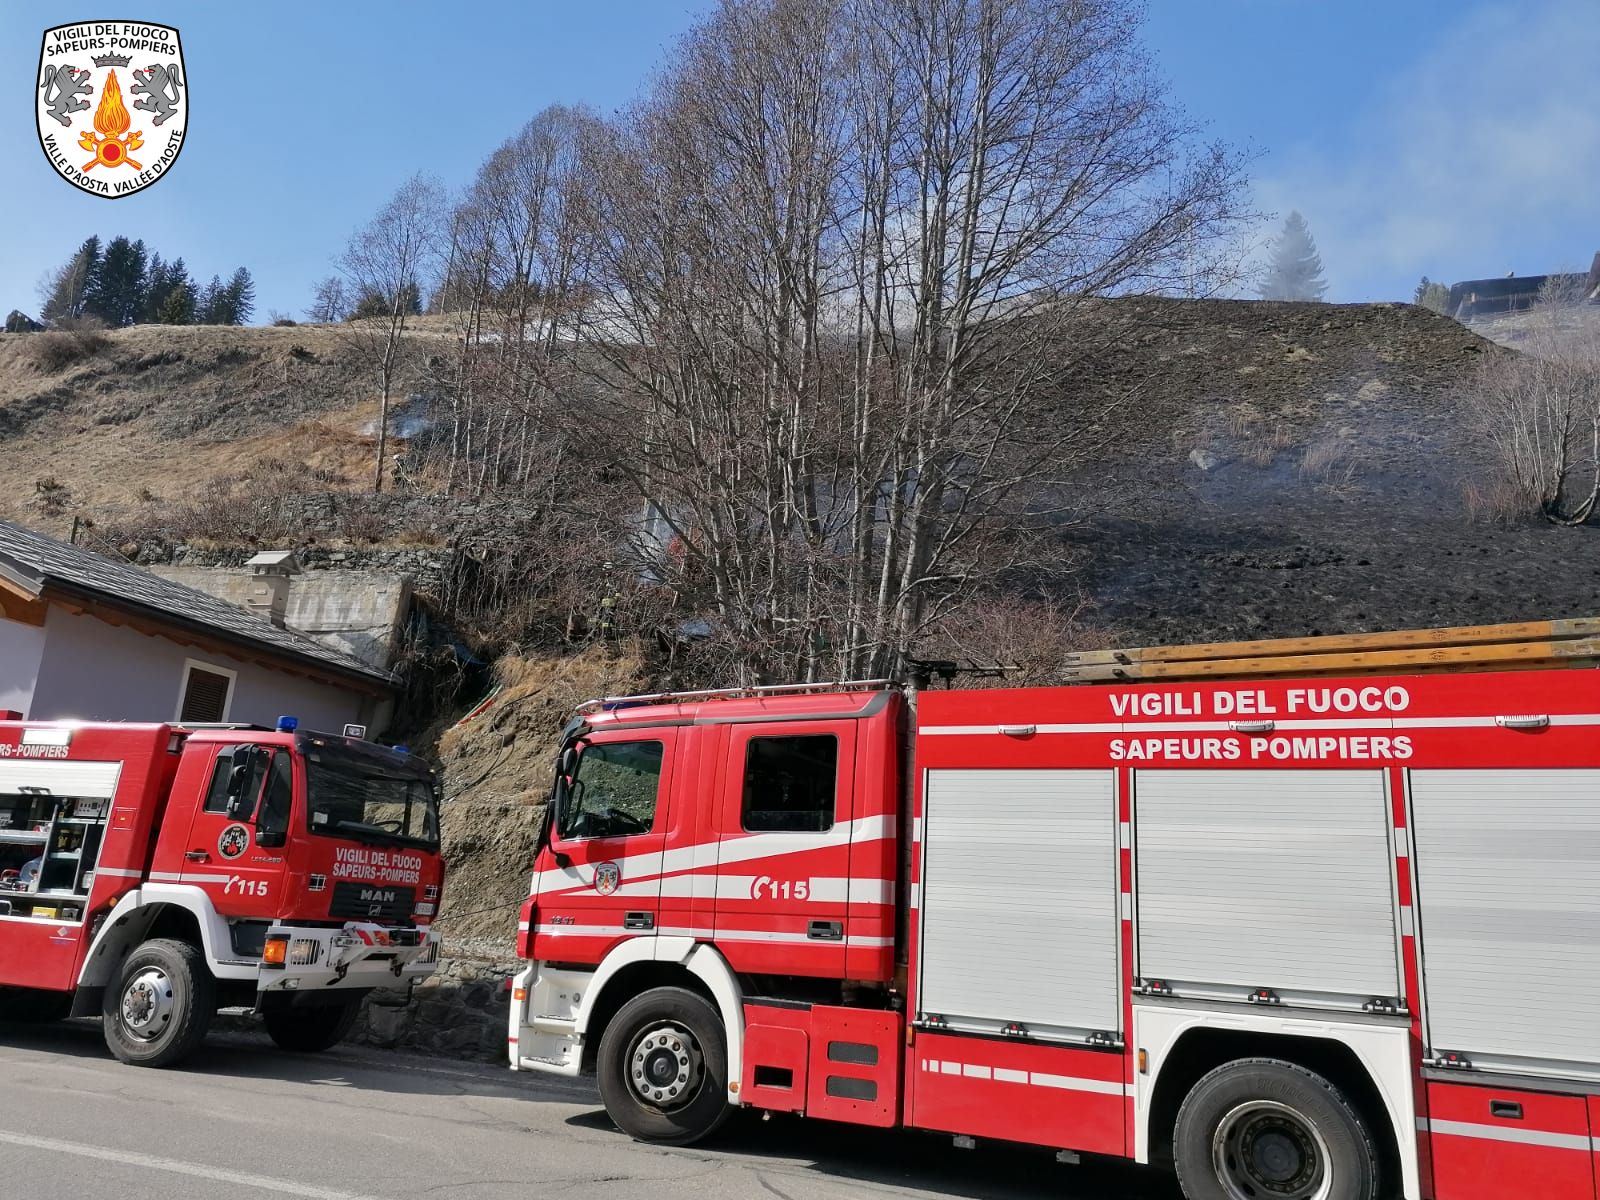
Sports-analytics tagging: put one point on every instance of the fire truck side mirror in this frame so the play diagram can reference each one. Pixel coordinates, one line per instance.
(241, 802)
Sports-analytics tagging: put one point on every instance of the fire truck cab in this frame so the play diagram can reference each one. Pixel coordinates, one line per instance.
(1303, 936)
(152, 874)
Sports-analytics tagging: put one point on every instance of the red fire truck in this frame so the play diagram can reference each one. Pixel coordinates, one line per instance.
(1302, 934)
(153, 874)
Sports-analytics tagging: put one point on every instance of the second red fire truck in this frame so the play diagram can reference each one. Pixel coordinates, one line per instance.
(1303, 936)
(152, 874)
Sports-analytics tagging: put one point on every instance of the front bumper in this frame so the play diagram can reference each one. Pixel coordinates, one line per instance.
(358, 955)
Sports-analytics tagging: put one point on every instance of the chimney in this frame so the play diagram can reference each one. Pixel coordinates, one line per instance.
(269, 584)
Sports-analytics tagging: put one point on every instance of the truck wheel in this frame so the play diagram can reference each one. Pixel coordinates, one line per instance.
(1264, 1129)
(311, 1029)
(29, 1006)
(663, 1067)
(157, 1012)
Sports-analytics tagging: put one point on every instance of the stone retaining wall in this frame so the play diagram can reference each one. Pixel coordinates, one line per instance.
(461, 1010)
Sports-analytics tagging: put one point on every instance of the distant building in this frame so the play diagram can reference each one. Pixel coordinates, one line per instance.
(1514, 293)
(85, 636)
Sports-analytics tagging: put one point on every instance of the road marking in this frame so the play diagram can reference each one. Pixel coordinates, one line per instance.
(132, 1158)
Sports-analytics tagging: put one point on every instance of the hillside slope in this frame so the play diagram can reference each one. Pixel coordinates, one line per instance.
(1300, 468)
(161, 413)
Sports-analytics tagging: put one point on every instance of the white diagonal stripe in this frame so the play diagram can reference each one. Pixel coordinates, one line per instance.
(132, 1158)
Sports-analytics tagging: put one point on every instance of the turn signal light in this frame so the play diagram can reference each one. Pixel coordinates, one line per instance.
(275, 952)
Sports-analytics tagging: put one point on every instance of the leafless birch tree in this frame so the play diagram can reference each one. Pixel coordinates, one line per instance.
(388, 263)
(834, 263)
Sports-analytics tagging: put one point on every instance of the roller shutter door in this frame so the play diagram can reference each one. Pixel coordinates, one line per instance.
(1019, 901)
(86, 780)
(1275, 879)
(1508, 904)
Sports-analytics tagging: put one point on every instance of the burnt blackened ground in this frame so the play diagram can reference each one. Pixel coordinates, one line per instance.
(1295, 469)
(1177, 581)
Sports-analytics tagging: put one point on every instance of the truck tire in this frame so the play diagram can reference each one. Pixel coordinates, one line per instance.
(157, 1012)
(30, 1006)
(310, 1030)
(663, 1067)
(1262, 1128)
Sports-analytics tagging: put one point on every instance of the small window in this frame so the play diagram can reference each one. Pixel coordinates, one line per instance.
(217, 793)
(789, 783)
(614, 791)
(275, 804)
(206, 695)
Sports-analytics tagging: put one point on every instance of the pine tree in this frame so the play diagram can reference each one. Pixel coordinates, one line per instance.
(240, 293)
(118, 294)
(68, 288)
(209, 306)
(157, 283)
(1295, 269)
(1432, 295)
(177, 308)
(171, 302)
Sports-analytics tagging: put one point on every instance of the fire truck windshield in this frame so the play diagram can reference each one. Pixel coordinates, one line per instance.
(357, 795)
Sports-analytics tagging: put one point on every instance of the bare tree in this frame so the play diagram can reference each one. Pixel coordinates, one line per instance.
(509, 285)
(387, 264)
(1539, 411)
(838, 262)
(329, 303)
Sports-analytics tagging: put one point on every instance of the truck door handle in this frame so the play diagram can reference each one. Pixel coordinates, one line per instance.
(638, 920)
(826, 931)
(198, 856)
(1508, 1109)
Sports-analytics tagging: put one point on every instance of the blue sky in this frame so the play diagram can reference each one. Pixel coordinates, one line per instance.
(1440, 137)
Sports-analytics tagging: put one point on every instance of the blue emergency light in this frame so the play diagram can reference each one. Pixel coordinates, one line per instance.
(288, 724)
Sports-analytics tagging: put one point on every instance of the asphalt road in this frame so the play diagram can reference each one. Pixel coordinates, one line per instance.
(245, 1121)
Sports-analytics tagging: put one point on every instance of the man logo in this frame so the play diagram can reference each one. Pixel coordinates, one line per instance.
(606, 878)
(96, 138)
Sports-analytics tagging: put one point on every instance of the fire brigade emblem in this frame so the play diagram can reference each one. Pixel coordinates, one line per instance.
(606, 878)
(235, 840)
(112, 102)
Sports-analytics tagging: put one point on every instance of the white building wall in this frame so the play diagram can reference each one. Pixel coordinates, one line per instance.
(21, 648)
(94, 671)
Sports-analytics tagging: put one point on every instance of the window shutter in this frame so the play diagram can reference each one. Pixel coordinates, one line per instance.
(205, 697)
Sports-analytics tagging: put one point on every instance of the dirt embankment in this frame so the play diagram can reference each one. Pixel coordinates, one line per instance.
(496, 767)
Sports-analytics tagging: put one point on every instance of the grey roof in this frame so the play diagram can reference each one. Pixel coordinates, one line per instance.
(38, 562)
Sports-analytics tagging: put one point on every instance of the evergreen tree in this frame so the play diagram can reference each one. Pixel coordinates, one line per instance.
(177, 307)
(118, 293)
(69, 286)
(208, 307)
(171, 297)
(240, 298)
(1432, 295)
(1295, 269)
(157, 282)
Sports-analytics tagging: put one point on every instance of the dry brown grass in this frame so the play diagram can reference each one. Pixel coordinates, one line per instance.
(1260, 444)
(172, 411)
(538, 694)
(1331, 462)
